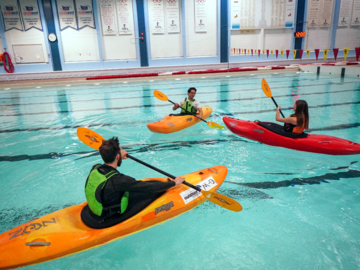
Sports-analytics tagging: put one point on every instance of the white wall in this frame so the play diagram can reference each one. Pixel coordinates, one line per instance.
(278, 39)
(80, 45)
(1, 46)
(242, 40)
(318, 38)
(32, 36)
(167, 45)
(118, 47)
(201, 44)
(347, 37)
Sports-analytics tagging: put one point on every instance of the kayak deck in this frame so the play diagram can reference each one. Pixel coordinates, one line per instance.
(63, 233)
(170, 123)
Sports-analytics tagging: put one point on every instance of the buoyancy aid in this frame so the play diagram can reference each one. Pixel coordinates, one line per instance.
(188, 106)
(95, 183)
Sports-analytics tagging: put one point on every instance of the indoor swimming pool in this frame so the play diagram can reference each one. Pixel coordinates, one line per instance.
(300, 210)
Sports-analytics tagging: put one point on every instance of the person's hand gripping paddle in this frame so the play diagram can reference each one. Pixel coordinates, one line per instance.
(94, 140)
(267, 91)
(163, 97)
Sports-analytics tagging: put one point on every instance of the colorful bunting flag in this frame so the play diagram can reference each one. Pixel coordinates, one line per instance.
(287, 54)
(308, 54)
(326, 51)
(346, 51)
(301, 53)
(259, 53)
(271, 53)
(335, 50)
(267, 53)
(294, 53)
(282, 53)
(252, 52)
(245, 51)
(263, 51)
(276, 53)
(357, 52)
(317, 51)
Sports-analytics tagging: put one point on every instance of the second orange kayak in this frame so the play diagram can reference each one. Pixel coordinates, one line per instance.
(170, 124)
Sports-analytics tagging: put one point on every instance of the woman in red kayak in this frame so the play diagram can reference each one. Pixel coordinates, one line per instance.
(297, 122)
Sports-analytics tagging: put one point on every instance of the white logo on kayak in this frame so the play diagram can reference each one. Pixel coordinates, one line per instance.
(191, 194)
(258, 131)
(233, 124)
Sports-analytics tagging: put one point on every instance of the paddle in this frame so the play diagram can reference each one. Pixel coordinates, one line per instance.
(163, 97)
(94, 140)
(267, 91)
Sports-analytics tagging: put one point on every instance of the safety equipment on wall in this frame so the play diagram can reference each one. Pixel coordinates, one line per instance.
(8, 65)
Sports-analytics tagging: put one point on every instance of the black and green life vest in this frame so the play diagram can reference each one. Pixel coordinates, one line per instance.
(188, 106)
(95, 183)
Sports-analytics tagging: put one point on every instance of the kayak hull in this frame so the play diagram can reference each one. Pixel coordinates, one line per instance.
(63, 233)
(321, 144)
(170, 124)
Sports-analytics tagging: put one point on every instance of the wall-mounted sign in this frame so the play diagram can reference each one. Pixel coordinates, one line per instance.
(313, 14)
(30, 14)
(11, 15)
(84, 13)
(124, 10)
(355, 17)
(107, 10)
(172, 16)
(235, 14)
(344, 13)
(66, 12)
(200, 15)
(299, 34)
(156, 16)
(326, 13)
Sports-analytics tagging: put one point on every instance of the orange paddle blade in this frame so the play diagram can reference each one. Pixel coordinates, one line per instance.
(222, 200)
(266, 88)
(160, 95)
(90, 138)
(214, 125)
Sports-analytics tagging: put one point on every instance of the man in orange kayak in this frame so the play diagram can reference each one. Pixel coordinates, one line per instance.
(114, 197)
(189, 104)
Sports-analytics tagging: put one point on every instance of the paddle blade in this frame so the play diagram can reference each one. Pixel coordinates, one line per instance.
(160, 95)
(90, 138)
(222, 200)
(266, 88)
(214, 125)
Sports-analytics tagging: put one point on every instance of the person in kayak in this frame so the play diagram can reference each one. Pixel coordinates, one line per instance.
(298, 121)
(189, 104)
(114, 197)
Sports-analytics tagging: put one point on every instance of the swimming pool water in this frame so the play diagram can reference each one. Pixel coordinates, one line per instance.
(301, 210)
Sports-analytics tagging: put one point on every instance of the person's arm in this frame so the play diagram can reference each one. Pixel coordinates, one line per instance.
(199, 110)
(178, 105)
(126, 183)
(290, 120)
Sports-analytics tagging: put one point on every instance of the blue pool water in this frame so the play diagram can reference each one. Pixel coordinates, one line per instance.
(301, 210)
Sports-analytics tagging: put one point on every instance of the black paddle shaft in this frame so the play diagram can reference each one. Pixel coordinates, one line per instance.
(277, 106)
(189, 112)
(164, 173)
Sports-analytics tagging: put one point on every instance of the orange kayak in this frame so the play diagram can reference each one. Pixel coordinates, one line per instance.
(63, 233)
(170, 124)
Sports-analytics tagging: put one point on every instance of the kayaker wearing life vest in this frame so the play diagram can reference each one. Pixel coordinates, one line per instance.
(189, 104)
(114, 197)
(298, 121)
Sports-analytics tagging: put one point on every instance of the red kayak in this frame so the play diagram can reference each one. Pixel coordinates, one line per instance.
(274, 134)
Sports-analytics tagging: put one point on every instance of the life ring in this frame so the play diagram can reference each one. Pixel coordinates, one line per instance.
(8, 65)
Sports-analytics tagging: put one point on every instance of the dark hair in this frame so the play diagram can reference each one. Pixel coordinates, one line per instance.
(302, 113)
(109, 149)
(191, 88)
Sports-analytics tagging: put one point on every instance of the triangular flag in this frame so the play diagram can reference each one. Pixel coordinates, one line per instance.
(267, 53)
(357, 52)
(317, 53)
(308, 54)
(300, 52)
(294, 53)
(245, 51)
(335, 50)
(271, 52)
(249, 52)
(276, 53)
(263, 51)
(346, 51)
(242, 51)
(282, 53)
(287, 54)
(326, 51)
(252, 52)
(258, 53)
